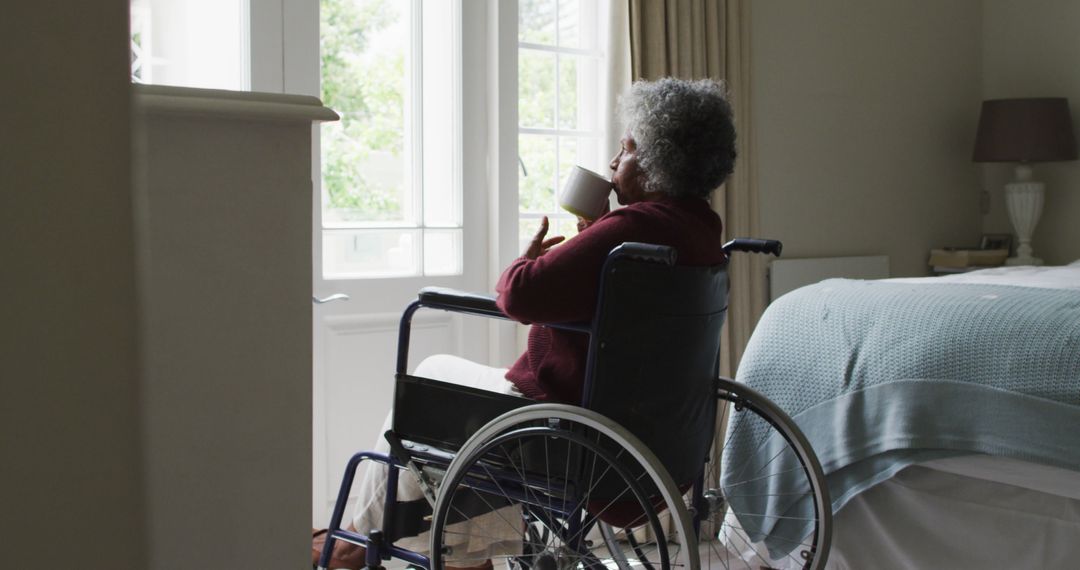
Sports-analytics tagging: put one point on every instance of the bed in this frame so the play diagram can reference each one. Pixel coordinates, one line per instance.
(945, 412)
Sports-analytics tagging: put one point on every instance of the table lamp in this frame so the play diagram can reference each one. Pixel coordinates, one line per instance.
(1024, 131)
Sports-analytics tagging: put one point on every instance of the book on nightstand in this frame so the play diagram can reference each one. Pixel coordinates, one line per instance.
(950, 260)
(943, 270)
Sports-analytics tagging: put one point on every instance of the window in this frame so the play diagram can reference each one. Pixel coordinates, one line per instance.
(390, 185)
(194, 43)
(391, 196)
(559, 99)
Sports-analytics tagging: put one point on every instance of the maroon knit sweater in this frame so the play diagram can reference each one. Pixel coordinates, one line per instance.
(561, 286)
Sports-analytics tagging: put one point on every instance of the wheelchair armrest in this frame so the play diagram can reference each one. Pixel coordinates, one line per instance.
(754, 246)
(447, 299)
(460, 301)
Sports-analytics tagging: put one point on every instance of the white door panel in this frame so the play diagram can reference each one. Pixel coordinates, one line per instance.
(356, 340)
(359, 352)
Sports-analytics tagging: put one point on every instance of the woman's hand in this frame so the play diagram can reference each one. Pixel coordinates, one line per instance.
(539, 246)
(583, 223)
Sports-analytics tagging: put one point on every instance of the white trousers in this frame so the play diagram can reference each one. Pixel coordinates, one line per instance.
(473, 541)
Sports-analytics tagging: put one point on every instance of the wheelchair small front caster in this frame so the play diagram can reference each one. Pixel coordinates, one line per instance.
(376, 541)
(546, 561)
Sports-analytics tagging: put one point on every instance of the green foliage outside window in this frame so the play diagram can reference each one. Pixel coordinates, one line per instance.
(536, 108)
(369, 94)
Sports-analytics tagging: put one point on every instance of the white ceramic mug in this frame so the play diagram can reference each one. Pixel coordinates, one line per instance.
(585, 194)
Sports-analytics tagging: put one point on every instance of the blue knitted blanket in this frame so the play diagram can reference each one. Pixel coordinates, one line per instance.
(882, 375)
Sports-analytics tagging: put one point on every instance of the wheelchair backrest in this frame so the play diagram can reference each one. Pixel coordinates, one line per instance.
(654, 352)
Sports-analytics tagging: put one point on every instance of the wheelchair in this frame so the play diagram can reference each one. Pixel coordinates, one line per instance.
(625, 480)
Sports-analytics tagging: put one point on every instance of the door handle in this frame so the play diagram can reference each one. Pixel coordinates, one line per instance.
(334, 297)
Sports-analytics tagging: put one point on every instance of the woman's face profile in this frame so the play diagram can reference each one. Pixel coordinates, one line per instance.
(626, 176)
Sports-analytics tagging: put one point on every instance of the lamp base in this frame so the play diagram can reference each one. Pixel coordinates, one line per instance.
(1024, 200)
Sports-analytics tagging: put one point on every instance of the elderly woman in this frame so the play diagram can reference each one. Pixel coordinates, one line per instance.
(679, 146)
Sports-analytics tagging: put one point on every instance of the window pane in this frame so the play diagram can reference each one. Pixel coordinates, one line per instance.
(587, 95)
(527, 227)
(194, 43)
(584, 152)
(442, 252)
(568, 157)
(139, 20)
(536, 89)
(563, 224)
(360, 184)
(537, 185)
(568, 92)
(560, 224)
(370, 253)
(536, 21)
(569, 22)
(366, 155)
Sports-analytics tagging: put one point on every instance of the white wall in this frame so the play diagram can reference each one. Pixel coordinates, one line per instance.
(70, 479)
(1031, 48)
(864, 113)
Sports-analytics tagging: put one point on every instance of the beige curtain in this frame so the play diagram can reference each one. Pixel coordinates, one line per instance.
(695, 39)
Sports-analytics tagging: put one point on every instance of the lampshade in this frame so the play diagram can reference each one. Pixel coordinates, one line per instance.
(1025, 130)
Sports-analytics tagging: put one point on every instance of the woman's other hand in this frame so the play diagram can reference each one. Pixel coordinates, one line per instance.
(539, 246)
(583, 223)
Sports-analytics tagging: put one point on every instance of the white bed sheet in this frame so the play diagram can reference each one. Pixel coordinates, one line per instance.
(1054, 277)
(968, 515)
(1024, 474)
(974, 512)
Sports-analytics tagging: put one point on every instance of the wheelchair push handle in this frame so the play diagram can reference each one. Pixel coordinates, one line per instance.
(753, 245)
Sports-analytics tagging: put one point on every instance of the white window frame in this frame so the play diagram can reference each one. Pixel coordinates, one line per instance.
(594, 136)
(416, 140)
(499, 23)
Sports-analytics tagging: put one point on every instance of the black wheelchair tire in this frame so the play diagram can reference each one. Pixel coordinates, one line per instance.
(479, 456)
(813, 553)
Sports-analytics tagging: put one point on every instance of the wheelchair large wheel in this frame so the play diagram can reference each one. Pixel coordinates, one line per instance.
(765, 502)
(552, 473)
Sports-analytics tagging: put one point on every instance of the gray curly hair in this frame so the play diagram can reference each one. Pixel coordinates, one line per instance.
(685, 134)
